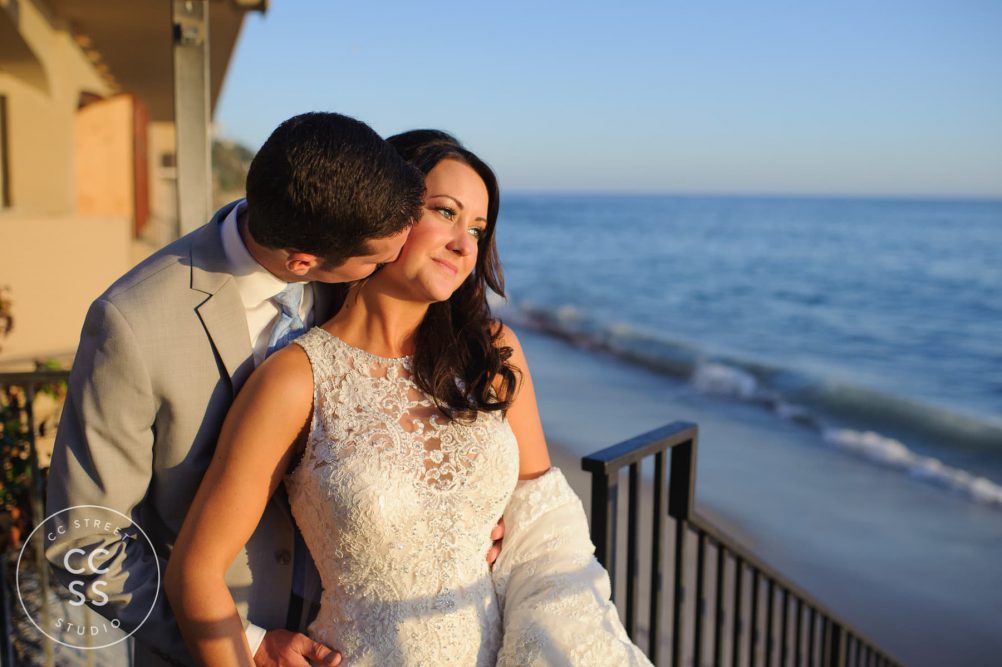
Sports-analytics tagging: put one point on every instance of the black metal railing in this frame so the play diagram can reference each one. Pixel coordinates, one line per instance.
(730, 629)
(23, 504)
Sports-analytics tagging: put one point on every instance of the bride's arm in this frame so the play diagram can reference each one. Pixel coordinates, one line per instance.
(547, 565)
(263, 431)
(523, 415)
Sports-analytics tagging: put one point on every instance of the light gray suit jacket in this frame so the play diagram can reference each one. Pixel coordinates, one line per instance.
(162, 353)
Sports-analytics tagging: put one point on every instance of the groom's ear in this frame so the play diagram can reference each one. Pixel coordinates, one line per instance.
(301, 263)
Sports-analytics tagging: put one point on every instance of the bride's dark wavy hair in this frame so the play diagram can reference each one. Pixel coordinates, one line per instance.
(459, 359)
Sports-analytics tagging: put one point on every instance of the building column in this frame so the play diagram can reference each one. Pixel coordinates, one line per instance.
(191, 113)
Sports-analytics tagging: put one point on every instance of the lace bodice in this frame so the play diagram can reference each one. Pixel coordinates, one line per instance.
(396, 505)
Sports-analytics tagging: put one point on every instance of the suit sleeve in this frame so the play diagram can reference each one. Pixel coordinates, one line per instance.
(103, 457)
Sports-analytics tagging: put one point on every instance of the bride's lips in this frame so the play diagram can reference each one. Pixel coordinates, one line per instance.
(447, 266)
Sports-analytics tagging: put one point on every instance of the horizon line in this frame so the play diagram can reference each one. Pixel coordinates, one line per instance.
(978, 198)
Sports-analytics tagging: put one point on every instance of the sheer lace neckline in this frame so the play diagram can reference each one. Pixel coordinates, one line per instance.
(365, 353)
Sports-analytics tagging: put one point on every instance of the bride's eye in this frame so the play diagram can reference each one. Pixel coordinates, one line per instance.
(477, 232)
(446, 212)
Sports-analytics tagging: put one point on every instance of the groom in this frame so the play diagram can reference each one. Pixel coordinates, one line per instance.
(164, 350)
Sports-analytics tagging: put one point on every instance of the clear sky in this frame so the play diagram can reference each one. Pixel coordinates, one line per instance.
(853, 97)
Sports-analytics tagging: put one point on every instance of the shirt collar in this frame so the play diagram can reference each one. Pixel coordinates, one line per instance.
(254, 282)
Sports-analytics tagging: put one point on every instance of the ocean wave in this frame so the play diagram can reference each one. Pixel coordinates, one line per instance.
(895, 454)
(723, 380)
(853, 418)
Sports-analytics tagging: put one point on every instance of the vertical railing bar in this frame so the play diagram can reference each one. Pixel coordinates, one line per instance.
(699, 603)
(679, 601)
(812, 624)
(632, 557)
(826, 639)
(657, 571)
(798, 652)
(784, 649)
(769, 643)
(838, 645)
(737, 628)
(753, 627)
(718, 606)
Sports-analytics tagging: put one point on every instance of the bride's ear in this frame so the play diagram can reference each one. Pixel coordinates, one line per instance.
(300, 263)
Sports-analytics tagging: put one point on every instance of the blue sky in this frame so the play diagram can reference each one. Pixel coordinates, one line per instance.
(895, 98)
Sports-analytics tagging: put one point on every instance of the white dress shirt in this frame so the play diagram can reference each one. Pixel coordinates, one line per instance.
(257, 286)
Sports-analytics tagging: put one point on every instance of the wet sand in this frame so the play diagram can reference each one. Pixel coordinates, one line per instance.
(913, 567)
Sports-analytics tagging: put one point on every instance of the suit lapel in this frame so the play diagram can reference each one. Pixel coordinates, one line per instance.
(222, 313)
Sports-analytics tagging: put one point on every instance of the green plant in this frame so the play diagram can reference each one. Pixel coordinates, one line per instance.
(15, 494)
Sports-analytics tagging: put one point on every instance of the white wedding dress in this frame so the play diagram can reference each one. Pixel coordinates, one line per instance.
(397, 504)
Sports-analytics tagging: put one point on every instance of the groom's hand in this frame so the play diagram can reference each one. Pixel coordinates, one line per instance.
(282, 648)
(497, 535)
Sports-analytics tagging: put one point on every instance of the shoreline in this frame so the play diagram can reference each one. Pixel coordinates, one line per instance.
(911, 566)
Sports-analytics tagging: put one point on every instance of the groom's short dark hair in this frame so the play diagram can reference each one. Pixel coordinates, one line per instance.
(326, 184)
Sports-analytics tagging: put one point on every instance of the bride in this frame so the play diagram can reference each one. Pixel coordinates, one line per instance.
(404, 427)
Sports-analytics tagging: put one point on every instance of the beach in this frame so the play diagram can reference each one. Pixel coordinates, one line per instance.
(913, 566)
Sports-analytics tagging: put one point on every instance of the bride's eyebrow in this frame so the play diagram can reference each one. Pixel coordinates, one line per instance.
(458, 203)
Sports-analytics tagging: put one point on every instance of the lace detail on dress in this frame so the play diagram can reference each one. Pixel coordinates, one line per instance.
(396, 505)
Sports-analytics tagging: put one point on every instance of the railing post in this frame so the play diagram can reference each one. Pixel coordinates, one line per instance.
(681, 490)
(682, 480)
(828, 641)
(604, 491)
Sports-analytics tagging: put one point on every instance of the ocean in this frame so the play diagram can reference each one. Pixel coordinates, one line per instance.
(875, 324)
(842, 359)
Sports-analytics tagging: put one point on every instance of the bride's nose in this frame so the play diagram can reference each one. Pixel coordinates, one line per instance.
(462, 242)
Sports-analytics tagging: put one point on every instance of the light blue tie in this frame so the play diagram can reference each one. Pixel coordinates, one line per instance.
(289, 325)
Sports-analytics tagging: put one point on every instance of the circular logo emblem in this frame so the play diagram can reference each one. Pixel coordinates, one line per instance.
(89, 545)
